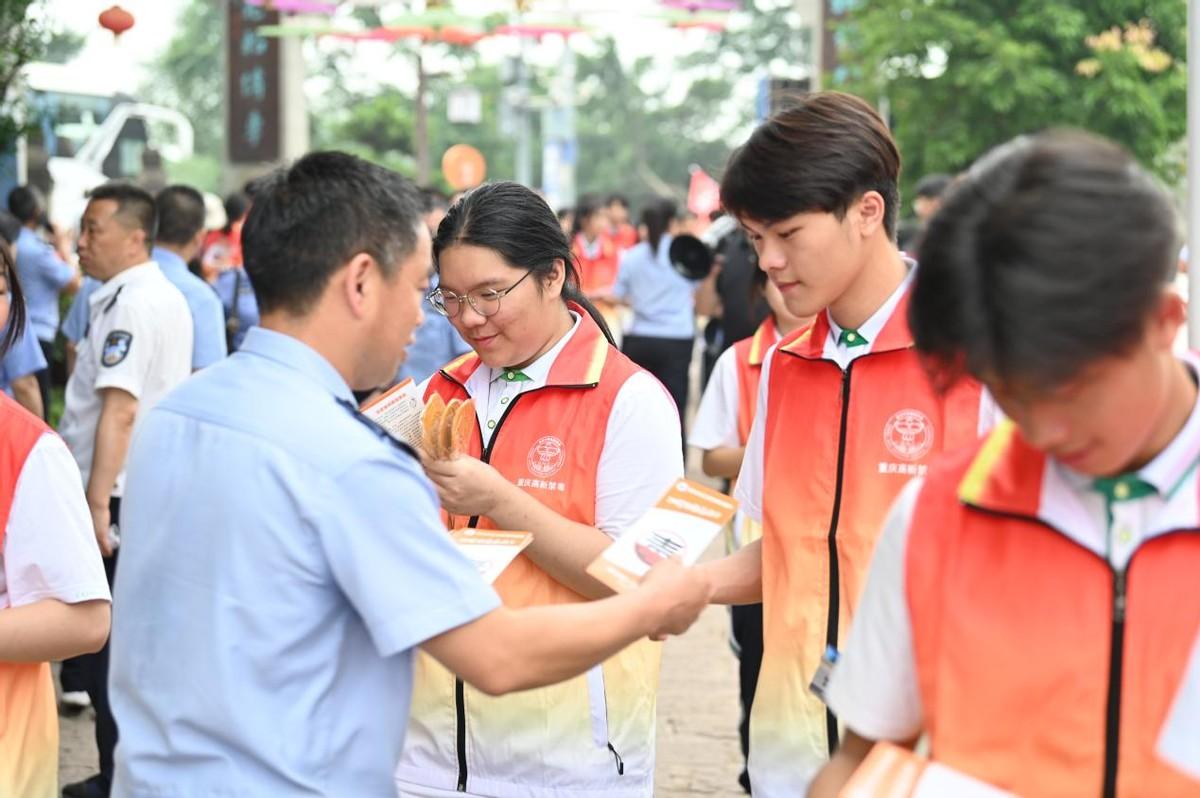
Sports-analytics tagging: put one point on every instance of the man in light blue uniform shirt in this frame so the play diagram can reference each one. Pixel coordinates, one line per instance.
(24, 358)
(18, 367)
(283, 556)
(180, 236)
(238, 303)
(43, 275)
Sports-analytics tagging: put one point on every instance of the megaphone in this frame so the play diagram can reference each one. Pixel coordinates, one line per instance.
(690, 257)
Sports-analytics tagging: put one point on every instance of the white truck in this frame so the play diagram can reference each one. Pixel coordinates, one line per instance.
(83, 134)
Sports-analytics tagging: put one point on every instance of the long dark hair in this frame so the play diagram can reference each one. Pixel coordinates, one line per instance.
(518, 225)
(15, 325)
(657, 216)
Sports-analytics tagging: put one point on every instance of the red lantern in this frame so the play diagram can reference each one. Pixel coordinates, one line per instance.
(117, 20)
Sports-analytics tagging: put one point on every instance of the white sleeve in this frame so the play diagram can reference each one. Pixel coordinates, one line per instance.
(642, 455)
(990, 413)
(1180, 741)
(716, 421)
(749, 488)
(50, 550)
(127, 352)
(874, 689)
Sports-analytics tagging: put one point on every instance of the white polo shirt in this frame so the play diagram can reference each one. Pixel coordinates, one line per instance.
(139, 339)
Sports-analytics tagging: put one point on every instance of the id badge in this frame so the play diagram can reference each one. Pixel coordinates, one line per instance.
(820, 682)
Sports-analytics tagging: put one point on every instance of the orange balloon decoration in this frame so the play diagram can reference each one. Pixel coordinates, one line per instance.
(117, 20)
(464, 167)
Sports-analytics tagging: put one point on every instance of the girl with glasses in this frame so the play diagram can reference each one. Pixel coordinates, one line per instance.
(573, 443)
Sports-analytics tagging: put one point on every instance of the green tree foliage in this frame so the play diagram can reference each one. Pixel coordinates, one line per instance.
(22, 39)
(62, 46)
(960, 76)
(188, 75)
(380, 124)
(633, 141)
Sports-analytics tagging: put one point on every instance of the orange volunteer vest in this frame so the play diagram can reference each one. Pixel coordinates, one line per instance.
(749, 353)
(598, 273)
(1042, 670)
(589, 736)
(838, 447)
(28, 715)
(625, 237)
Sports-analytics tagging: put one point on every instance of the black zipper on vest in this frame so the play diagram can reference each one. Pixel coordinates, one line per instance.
(460, 698)
(835, 599)
(620, 762)
(460, 732)
(1116, 657)
(1116, 652)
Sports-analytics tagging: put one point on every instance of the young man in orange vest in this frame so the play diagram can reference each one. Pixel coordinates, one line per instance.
(846, 415)
(720, 430)
(1032, 601)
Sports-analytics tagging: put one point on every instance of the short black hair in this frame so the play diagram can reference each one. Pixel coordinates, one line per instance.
(1050, 254)
(26, 203)
(433, 198)
(933, 186)
(181, 214)
(586, 207)
(308, 219)
(10, 227)
(820, 154)
(619, 199)
(236, 205)
(134, 204)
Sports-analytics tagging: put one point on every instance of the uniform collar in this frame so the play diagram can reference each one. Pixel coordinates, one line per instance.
(886, 330)
(296, 355)
(578, 361)
(168, 260)
(764, 338)
(133, 274)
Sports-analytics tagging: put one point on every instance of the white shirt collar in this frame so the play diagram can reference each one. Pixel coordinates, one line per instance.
(871, 328)
(131, 275)
(539, 370)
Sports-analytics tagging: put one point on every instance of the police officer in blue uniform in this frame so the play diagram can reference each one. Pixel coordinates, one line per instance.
(181, 231)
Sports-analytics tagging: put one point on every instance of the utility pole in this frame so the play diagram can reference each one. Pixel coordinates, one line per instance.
(421, 120)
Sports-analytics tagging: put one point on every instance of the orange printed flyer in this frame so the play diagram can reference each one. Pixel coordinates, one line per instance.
(683, 524)
(491, 550)
(399, 412)
(893, 772)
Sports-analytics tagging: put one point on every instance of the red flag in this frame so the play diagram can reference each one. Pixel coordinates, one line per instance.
(704, 194)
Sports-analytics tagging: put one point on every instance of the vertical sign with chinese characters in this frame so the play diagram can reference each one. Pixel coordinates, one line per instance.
(253, 90)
